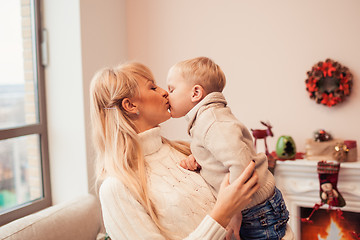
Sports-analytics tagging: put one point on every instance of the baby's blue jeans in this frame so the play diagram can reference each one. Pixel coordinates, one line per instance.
(266, 220)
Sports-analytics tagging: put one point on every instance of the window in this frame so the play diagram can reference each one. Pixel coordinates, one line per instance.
(24, 162)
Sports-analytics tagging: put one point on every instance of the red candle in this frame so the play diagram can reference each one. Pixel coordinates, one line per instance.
(352, 153)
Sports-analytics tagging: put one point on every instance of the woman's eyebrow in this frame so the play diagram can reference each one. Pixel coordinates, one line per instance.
(150, 81)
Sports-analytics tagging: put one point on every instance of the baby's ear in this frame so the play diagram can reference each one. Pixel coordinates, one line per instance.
(197, 93)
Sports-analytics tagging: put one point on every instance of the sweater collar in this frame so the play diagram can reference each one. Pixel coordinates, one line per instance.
(214, 97)
(150, 141)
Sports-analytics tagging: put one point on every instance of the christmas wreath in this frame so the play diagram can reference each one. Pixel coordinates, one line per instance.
(328, 82)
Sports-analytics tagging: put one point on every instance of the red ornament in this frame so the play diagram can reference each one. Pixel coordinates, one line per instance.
(262, 134)
(329, 83)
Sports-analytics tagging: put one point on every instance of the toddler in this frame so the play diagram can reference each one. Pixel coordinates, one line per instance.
(221, 144)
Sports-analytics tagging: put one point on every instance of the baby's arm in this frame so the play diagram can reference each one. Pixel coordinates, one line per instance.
(226, 143)
(190, 163)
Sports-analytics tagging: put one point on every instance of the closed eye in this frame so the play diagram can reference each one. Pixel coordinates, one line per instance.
(153, 87)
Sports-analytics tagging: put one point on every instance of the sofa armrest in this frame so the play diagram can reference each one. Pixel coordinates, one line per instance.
(78, 219)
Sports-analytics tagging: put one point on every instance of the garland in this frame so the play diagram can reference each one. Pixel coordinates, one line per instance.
(328, 82)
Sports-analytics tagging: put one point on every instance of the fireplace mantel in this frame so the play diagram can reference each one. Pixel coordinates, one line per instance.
(299, 183)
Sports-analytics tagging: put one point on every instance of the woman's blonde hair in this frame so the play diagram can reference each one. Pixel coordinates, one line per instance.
(202, 71)
(115, 136)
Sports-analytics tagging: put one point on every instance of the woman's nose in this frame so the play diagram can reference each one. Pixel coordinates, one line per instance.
(165, 93)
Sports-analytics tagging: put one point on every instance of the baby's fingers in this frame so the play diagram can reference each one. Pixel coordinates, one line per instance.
(183, 163)
(189, 165)
(194, 165)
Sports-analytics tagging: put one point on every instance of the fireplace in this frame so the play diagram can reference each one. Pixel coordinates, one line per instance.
(329, 224)
(299, 183)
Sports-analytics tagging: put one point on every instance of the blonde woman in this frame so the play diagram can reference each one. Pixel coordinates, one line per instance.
(144, 192)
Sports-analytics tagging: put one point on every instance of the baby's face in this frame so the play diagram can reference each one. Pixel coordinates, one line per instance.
(179, 94)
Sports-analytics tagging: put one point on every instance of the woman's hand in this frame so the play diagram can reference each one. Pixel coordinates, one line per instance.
(233, 198)
(234, 227)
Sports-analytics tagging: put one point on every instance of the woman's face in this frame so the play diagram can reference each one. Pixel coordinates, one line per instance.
(153, 105)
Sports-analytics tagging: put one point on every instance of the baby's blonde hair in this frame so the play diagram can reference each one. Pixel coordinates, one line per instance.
(202, 71)
(115, 136)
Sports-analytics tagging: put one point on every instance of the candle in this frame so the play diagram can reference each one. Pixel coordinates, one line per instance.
(352, 153)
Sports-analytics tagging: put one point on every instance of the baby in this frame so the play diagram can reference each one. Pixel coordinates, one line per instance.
(221, 144)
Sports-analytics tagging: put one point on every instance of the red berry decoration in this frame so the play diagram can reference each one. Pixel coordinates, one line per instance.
(322, 136)
(328, 82)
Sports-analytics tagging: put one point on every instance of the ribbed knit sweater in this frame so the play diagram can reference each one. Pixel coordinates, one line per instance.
(220, 144)
(182, 198)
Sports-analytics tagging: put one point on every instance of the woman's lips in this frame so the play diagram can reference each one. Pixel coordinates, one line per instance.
(169, 107)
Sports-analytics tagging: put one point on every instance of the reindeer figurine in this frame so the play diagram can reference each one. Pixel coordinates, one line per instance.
(262, 134)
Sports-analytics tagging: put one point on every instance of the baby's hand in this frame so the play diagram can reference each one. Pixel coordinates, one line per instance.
(190, 163)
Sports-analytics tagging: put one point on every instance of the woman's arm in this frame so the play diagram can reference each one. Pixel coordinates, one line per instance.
(125, 218)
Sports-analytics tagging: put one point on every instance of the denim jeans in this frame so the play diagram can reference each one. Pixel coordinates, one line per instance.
(266, 220)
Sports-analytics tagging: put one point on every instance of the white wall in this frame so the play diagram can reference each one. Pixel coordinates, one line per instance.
(103, 43)
(103, 31)
(84, 35)
(265, 49)
(65, 100)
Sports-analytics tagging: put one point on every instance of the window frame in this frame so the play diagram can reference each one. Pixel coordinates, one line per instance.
(39, 129)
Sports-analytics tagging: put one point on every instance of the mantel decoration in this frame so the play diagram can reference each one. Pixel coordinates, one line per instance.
(328, 82)
(328, 173)
(263, 134)
(329, 194)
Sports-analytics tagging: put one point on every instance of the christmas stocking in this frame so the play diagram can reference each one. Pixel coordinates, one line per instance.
(328, 177)
(329, 194)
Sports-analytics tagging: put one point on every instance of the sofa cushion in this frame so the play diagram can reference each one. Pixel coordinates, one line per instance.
(78, 219)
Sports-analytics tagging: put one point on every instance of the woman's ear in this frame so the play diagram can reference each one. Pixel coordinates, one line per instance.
(197, 93)
(128, 106)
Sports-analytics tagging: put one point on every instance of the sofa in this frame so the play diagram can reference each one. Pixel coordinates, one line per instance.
(78, 219)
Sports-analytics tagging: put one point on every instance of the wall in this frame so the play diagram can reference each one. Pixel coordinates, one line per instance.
(265, 49)
(83, 37)
(65, 109)
(103, 43)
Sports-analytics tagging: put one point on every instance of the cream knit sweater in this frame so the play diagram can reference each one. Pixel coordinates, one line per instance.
(182, 198)
(221, 144)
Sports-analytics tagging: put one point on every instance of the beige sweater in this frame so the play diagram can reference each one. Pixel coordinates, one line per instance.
(182, 198)
(221, 144)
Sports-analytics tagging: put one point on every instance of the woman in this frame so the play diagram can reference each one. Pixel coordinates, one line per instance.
(145, 194)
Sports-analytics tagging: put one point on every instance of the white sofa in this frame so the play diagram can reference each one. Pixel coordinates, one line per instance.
(79, 219)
